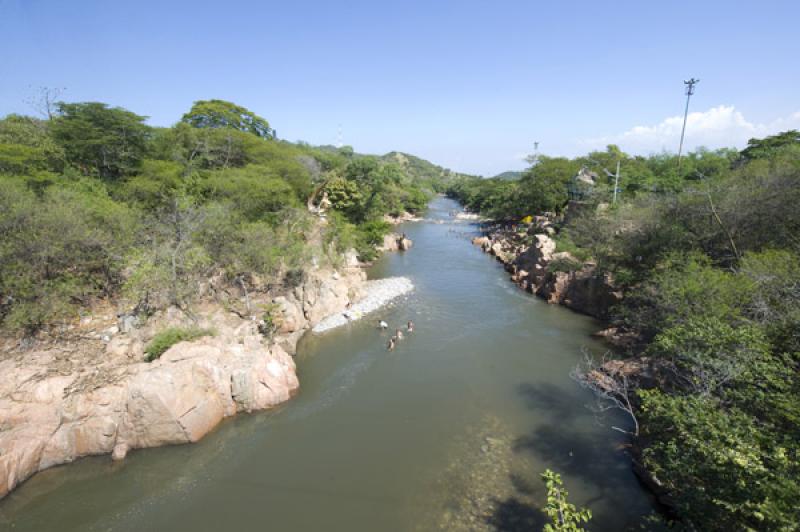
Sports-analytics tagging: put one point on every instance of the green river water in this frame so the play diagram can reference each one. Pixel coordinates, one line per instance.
(448, 432)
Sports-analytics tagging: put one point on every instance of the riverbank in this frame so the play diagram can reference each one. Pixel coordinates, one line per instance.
(529, 252)
(94, 393)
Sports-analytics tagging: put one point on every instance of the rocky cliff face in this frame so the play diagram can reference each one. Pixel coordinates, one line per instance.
(530, 256)
(96, 395)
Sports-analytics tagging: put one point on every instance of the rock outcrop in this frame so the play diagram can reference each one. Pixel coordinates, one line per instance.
(68, 400)
(529, 255)
(396, 242)
(401, 218)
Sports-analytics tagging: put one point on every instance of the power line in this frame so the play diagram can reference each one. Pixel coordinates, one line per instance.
(690, 83)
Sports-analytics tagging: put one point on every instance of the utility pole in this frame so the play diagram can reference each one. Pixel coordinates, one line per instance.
(690, 83)
(535, 158)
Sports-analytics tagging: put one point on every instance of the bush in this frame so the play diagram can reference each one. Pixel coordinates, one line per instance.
(171, 336)
(564, 243)
(369, 235)
(60, 249)
(724, 469)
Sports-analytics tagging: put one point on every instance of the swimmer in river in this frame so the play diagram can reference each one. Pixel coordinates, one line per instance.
(390, 345)
(399, 334)
(382, 324)
(410, 327)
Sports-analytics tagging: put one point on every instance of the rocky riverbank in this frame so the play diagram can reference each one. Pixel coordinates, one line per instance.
(93, 392)
(377, 293)
(529, 253)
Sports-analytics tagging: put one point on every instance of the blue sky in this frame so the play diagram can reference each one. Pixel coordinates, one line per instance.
(469, 85)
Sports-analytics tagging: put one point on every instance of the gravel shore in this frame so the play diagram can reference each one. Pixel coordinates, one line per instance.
(378, 293)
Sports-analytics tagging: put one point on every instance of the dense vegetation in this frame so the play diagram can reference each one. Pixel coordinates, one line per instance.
(708, 256)
(95, 204)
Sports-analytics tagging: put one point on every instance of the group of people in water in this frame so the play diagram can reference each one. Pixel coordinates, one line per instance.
(398, 335)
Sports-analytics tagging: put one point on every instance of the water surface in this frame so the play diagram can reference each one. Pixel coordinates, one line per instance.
(449, 431)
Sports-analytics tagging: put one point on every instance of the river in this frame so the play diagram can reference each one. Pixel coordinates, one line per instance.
(450, 431)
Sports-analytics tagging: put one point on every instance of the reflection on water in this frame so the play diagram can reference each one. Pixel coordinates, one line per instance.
(449, 431)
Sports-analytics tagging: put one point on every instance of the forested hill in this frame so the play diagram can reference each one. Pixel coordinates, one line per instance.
(421, 169)
(95, 205)
(510, 175)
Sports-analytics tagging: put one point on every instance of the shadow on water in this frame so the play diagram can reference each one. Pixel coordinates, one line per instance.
(569, 444)
(547, 398)
(513, 515)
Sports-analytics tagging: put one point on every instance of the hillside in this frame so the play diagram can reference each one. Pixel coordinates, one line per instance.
(510, 175)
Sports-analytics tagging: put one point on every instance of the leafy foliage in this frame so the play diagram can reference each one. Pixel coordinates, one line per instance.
(100, 140)
(564, 515)
(165, 339)
(94, 204)
(222, 114)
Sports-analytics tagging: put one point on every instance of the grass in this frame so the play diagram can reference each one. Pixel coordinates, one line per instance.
(165, 339)
(565, 243)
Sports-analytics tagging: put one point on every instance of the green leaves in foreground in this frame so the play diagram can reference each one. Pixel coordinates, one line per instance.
(565, 516)
(171, 336)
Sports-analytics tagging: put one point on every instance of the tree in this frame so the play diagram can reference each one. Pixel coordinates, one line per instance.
(611, 386)
(97, 139)
(222, 114)
(543, 188)
(565, 516)
(768, 146)
(25, 146)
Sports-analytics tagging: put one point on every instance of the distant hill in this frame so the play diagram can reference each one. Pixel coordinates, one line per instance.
(420, 169)
(511, 175)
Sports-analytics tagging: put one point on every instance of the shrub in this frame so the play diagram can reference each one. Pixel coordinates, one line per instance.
(369, 235)
(59, 250)
(270, 320)
(171, 336)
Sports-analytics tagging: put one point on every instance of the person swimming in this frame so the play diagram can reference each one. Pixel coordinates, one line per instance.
(390, 345)
(410, 327)
(398, 334)
(382, 324)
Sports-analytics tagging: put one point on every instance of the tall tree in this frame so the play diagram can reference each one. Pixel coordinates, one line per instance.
(222, 114)
(97, 139)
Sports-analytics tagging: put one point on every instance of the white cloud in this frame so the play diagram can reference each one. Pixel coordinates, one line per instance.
(719, 127)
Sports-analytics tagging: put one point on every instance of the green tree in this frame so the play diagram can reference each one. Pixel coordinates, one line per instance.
(543, 188)
(26, 147)
(222, 114)
(100, 140)
(769, 146)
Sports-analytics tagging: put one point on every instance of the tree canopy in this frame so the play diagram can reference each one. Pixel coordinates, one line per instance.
(100, 140)
(222, 114)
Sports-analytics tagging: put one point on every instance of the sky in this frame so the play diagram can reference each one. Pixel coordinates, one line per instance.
(469, 85)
